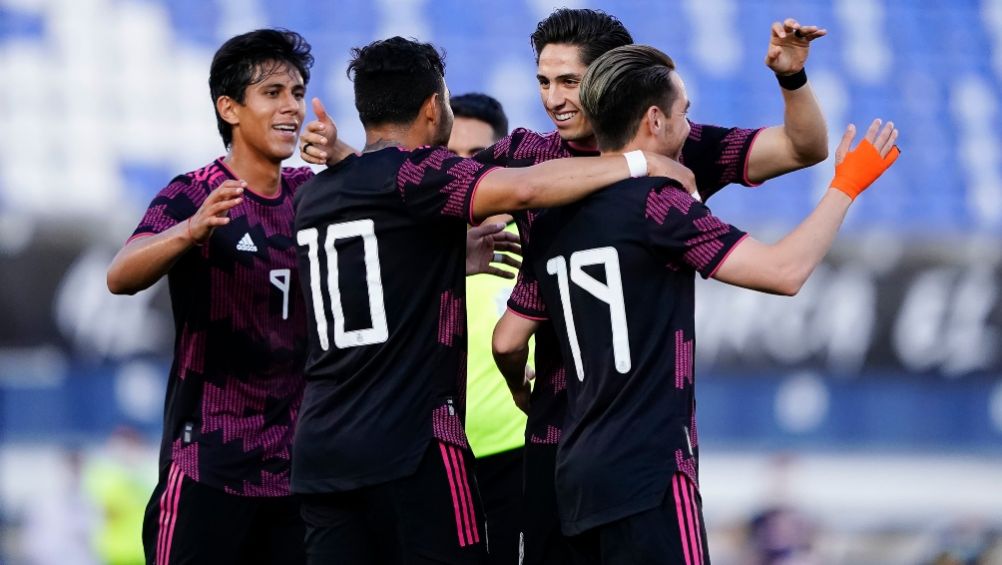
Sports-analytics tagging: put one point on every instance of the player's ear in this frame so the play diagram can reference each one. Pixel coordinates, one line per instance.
(227, 108)
(654, 120)
(431, 108)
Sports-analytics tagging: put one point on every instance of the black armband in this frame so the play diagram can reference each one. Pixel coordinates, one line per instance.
(794, 81)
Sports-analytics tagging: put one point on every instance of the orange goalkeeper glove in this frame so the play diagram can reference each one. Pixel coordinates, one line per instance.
(861, 167)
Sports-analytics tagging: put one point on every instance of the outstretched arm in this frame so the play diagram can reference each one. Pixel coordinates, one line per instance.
(145, 259)
(784, 267)
(802, 140)
(561, 181)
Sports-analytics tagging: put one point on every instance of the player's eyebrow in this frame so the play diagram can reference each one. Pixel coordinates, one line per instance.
(565, 76)
(266, 85)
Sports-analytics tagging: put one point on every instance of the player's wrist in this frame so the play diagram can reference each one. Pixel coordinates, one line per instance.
(842, 192)
(190, 236)
(792, 81)
(637, 163)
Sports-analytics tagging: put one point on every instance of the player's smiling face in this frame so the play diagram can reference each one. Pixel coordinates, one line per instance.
(559, 73)
(272, 112)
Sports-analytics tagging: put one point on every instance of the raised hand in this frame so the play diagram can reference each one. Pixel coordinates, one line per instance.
(317, 142)
(486, 244)
(856, 169)
(214, 212)
(789, 45)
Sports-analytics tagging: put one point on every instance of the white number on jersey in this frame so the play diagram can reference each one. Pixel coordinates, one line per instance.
(280, 279)
(610, 292)
(365, 229)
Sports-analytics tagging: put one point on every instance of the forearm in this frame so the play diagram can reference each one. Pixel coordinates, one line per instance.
(511, 365)
(546, 185)
(144, 261)
(510, 344)
(800, 252)
(804, 125)
(782, 268)
(801, 141)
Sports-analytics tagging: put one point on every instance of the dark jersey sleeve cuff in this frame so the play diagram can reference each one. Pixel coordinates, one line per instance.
(473, 221)
(731, 242)
(527, 313)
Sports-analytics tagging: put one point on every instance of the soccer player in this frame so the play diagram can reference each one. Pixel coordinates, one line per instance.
(616, 275)
(380, 456)
(565, 43)
(479, 123)
(222, 235)
(494, 425)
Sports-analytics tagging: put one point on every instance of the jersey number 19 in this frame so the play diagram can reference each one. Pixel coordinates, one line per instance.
(610, 292)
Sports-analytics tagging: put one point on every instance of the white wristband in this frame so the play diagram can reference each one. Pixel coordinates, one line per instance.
(637, 163)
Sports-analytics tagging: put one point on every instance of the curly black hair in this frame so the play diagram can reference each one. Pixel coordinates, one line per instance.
(248, 59)
(393, 77)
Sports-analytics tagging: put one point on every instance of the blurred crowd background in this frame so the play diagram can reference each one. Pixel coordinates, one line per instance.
(860, 422)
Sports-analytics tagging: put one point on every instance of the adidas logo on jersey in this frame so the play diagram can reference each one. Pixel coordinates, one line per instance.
(246, 244)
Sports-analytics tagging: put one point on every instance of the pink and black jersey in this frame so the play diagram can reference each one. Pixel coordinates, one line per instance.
(717, 157)
(237, 378)
(616, 275)
(382, 254)
(524, 148)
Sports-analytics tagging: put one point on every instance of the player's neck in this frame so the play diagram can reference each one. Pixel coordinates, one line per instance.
(585, 144)
(381, 137)
(263, 176)
(636, 144)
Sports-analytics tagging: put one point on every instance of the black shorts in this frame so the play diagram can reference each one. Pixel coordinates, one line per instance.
(500, 479)
(671, 534)
(541, 541)
(431, 516)
(188, 522)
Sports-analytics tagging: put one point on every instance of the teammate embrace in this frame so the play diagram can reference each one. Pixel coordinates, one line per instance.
(613, 226)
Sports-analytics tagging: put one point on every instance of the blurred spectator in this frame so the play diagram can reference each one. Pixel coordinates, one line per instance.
(781, 536)
(968, 542)
(59, 527)
(118, 481)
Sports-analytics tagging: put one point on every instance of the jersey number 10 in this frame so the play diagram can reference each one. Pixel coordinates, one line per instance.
(365, 229)
(610, 292)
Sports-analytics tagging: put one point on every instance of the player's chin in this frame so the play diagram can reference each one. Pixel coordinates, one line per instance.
(576, 132)
(283, 151)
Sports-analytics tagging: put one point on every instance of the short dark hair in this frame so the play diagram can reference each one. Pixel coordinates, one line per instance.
(393, 77)
(593, 31)
(484, 108)
(620, 86)
(249, 59)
